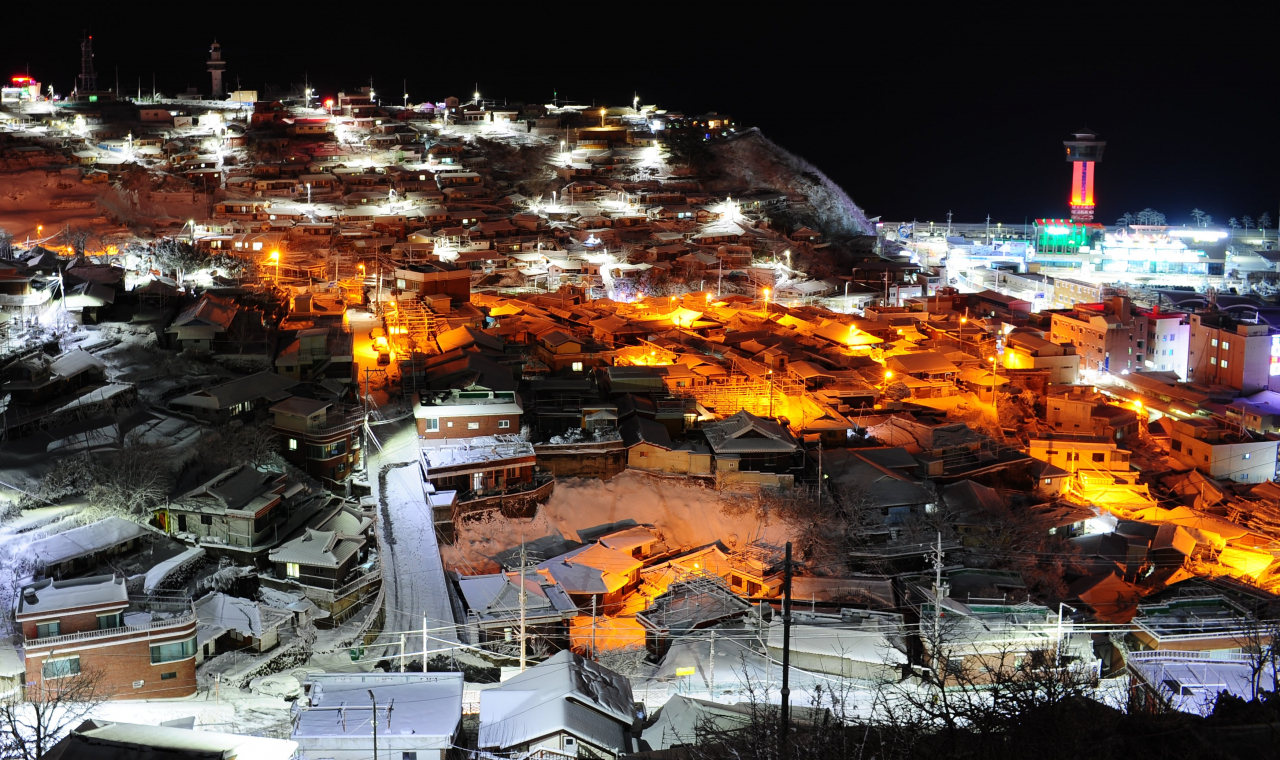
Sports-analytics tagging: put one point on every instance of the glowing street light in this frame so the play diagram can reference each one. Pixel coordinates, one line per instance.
(766, 300)
(602, 112)
(275, 256)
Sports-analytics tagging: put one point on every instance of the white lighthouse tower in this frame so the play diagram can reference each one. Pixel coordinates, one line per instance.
(216, 67)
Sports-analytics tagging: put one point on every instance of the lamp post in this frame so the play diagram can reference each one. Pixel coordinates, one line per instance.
(374, 720)
(602, 112)
(275, 256)
(766, 301)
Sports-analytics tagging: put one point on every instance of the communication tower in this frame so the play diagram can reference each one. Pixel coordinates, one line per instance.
(1083, 151)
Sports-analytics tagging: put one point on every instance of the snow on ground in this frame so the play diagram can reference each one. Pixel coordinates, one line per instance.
(687, 514)
(413, 577)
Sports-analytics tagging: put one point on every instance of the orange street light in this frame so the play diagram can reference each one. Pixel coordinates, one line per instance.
(275, 256)
(888, 374)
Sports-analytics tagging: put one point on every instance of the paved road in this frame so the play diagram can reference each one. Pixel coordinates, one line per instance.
(413, 575)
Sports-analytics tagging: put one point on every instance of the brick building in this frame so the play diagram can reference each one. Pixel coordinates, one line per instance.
(466, 414)
(143, 647)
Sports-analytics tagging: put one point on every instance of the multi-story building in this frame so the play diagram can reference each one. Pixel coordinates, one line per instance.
(1082, 411)
(1068, 292)
(1110, 336)
(241, 508)
(1168, 340)
(1074, 453)
(320, 437)
(1223, 453)
(1026, 351)
(139, 647)
(1234, 354)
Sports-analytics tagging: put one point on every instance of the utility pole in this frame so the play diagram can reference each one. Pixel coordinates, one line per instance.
(886, 287)
(784, 714)
(937, 592)
(374, 722)
(522, 616)
(593, 626)
(712, 667)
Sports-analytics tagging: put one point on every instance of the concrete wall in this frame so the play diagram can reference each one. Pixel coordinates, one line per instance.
(1227, 460)
(645, 456)
(583, 460)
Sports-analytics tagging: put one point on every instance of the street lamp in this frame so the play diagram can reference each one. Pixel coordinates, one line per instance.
(275, 256)
(766, 300)
(602, 112)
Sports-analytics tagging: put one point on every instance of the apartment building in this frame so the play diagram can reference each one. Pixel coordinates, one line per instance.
(320, 437)
(1110, 336)
(140, 647)
(1168, 340)
(1226, 352)
(1223, 453)
(1027, 351)
(1084, 411)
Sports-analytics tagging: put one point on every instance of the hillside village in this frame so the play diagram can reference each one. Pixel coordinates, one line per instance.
(539, 412)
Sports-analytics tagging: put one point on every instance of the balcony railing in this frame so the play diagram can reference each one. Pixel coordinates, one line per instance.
(25, 299)
(181, 612)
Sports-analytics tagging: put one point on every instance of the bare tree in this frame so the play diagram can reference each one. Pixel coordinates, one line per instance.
(80, 238)
(28, 729)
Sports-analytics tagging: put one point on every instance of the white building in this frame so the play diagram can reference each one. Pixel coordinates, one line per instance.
(561, 704)
(419, 716)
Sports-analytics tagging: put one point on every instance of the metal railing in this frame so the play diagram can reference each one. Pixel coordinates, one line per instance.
(187, 617)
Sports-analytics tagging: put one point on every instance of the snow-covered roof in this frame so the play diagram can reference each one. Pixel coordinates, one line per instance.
(49, 596)
(100, 740)
(745, 433)
(498, 595)
(427, 705)
(566, 693)
(861, 635)
(157, 573)
(85, 540)
(629, 538)
(218, 613)
(318, 548)
(265, 385)
(592, 569)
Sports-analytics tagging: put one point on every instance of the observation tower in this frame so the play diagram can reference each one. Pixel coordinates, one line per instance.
(1083, 151)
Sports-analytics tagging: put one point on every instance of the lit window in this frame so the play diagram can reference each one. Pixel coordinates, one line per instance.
(1226, 346)
(1213, 360)
(577, 366)
(257, 246)
(1214, 342)
(1048, 481)
(1224, 363)
(291, 569)
(1248, 456)
(293, 444)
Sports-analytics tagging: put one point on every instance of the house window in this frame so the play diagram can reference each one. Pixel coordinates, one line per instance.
(108, 621)
(1177, 445)
(1248, 456)
(473, 426)
(1224, 363)
(408, 756)
(1048, 481)
(1214, 342)
(61, 667)
(504, 424)
(206, 519)
(1213, 360)
(449, 423)
(178, 650)
(291, 569)
(169, 676)
(45, 630)
(1226, 346)
(1099, 456)
(577, 366)
(293, 444)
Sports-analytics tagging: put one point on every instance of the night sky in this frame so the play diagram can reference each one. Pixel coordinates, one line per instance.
(914, 114)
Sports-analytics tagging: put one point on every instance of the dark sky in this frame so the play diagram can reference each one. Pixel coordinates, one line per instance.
(913, 113)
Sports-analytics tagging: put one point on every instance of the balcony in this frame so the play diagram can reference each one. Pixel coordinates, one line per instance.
(337, 421)
(152, 613)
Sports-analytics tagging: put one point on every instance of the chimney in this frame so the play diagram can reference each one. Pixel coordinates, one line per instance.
(1120, 306)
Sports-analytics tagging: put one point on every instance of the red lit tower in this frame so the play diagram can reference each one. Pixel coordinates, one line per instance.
(1083, 151)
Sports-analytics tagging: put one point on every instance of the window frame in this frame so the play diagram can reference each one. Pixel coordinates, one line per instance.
(44, 667)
